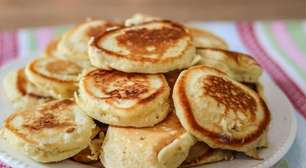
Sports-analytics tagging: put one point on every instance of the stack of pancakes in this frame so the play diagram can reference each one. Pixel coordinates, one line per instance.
(145, 92)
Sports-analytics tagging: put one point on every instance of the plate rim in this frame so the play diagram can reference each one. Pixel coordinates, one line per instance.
(277, 156)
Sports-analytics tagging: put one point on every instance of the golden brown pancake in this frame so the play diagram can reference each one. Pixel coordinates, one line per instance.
(165, 145)
(21, 92)
(57, 76)
(50, 50)
(124, 99)
(50, 132)
(238, 66)
(220, 111)
(91, 154)
(150, 47)
(74, 43)
(203, 38)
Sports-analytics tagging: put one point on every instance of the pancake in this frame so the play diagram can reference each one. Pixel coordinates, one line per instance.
(139, 19)
(57, 76)
(150, 47)
(220, 111)
(203, 38)
(199, 158)
(91, 154)
(21, 92)
(74, 43)
(124, 99)
(49, 133)
(51, 48)
(165, 145)
(201, 153)
(258, 88)
(238, 66)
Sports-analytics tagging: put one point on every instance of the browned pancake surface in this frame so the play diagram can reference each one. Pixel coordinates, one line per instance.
(46, 117)
(116, 85)
(233, 98)
(22, 83)
(142, 42)
(56, 66)
(139, 41)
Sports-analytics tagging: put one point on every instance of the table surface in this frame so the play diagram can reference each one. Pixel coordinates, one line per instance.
(19, 13)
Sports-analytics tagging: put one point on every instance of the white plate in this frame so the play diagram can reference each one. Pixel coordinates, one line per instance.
(281, 134)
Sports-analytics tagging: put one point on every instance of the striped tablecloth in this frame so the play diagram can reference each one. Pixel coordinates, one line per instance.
(279, 46)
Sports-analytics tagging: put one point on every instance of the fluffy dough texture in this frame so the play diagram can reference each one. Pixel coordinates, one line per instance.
(51, 132)
(165, 145)
(220, 111)
(238, 66)
(92, 152)
(21, 92)
(57, 76)
(51, 48)
(124, 99)
(203, 38)
(74, 43)
(151, 47)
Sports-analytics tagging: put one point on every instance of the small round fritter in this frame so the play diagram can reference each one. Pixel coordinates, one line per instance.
(124, 99)
(220, 111)
(151, 47)
(51, 132)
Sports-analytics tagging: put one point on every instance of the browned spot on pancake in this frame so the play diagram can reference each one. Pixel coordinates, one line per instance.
(136, 57)
(150, 41)
(34, 69)
(216, 137)
(226, 93)
(56, 106)
(47, 120)
(101, 29)
(120, 85)
(63, 67)
(46, 117)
